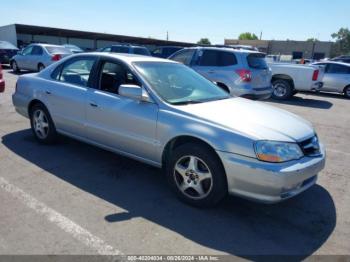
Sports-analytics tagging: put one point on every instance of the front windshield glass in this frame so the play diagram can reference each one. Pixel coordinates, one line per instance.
(178, 84)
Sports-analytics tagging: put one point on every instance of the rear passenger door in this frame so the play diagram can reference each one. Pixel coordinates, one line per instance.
(67, 94)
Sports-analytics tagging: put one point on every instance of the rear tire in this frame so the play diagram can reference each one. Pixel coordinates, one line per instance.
(42, 125)
(347, 92)
(282, 89)
(196, 175)
(15, 67)
(41, 67)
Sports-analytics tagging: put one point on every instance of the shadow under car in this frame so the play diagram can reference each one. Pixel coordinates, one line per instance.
(296, 227)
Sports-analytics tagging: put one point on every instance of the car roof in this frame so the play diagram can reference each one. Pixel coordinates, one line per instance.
(7, 45)
(45, 45)
(129, 58)
(243, 51)
(127, 45)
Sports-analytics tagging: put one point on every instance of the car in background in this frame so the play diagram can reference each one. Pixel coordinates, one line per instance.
(126, 49)
(343, 59)
(288, 79)
(2, 81)
(239, 72)
(74, 49)
(36, 57)
(165, 114)
(336, 77)
(165, 51)
(7, 51)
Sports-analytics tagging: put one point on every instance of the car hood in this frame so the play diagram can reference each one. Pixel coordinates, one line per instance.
(251, 118)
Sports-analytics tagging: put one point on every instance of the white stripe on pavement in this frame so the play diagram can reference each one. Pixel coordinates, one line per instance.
(59, 220)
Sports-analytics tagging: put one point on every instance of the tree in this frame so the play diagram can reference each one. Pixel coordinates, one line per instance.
(342, 42)
(204, 41)
(312, 39)
(248, 36)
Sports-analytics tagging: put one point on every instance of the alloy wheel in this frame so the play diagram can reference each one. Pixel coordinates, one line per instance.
(193, 177)
(40, 124)
(279, 90)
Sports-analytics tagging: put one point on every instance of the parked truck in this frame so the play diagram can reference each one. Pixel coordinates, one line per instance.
(288, 79)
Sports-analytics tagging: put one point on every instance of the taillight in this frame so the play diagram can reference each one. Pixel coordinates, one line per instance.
(1, 72)
(56, 57)
(315, 75)
(245, 75)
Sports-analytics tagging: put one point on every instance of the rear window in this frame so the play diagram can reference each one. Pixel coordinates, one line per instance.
(257, 61)
(7, 45)
(217, 58)
(57, 50)
(141, 51)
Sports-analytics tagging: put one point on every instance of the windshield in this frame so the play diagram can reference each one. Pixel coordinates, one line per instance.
(57, 50)
(178, 84)
(257, 61)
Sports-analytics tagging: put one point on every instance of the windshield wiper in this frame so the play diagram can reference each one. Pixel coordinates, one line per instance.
(187, 102)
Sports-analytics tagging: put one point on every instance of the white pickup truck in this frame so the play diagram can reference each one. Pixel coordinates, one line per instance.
(288, 79)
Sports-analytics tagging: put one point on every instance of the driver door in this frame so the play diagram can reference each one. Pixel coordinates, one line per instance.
(118, 122)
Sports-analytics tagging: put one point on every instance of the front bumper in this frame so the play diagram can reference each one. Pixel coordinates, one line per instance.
(270, 182)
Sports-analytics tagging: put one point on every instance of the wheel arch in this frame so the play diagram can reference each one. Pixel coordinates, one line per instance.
(283, 77)
(181, 140)
(33, 103)
(223, 86)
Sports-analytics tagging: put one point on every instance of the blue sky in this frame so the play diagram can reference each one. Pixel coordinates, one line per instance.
(186, 20)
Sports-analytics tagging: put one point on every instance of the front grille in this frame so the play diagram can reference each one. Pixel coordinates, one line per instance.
(310, 147)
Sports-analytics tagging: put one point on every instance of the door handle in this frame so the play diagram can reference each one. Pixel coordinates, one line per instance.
(48, 92)
(211, 72)
(93, 104)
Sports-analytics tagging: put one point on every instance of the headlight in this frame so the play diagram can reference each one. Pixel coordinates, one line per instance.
(277, 152)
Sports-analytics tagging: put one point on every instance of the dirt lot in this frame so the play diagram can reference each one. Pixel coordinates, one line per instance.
(72, 198)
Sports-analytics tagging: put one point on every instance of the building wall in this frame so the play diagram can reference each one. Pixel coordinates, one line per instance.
(8, 33)
(286, 47)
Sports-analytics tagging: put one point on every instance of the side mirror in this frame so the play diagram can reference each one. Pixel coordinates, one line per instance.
(134, 92)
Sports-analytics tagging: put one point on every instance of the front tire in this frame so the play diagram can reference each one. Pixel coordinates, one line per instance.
(282, 89)
(196, 175)
(41, 67)
(42, 125)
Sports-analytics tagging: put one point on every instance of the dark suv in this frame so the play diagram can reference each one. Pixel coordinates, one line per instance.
(127, 49)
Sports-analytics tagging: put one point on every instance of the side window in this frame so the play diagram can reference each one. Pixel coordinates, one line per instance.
(184, 56)
(337, 69)
(37, 50)
(113, 75)
(28, 50)
(77, 71)
(120, 49)
(217, 58)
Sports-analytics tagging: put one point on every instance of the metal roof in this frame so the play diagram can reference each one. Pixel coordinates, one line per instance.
(50, 31)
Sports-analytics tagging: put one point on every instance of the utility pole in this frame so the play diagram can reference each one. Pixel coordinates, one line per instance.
(261, 35)
(167, 35)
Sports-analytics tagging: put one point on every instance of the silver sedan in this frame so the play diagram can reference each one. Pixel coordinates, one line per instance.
(165, 114)
(336, 78)
(36, 57)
